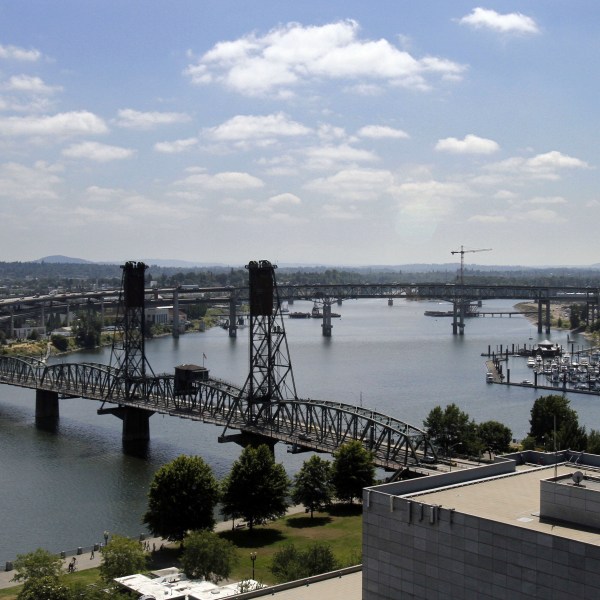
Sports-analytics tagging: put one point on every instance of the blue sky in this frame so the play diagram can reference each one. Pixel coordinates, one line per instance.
(345, 133)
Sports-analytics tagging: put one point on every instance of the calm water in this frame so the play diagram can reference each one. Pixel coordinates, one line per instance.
(62, 489)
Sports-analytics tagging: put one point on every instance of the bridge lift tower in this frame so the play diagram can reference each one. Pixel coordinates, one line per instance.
(270, 377)
(128, 355)
(460, 304)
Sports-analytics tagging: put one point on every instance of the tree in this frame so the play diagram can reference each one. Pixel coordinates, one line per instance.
(352, 470)
(495, 436)
(206, 555)
(37, 565)
(120, 557)
(451, 428)
(290, 564)
(547, 409)
(182, 497)
(60, 342)
(256, 488)
(87, 330)
(312, 484)
(46, 587)
(593, 441)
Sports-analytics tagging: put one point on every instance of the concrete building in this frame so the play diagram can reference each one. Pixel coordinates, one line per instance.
(520, 528)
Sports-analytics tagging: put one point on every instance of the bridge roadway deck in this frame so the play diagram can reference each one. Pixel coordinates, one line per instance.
(309, 424)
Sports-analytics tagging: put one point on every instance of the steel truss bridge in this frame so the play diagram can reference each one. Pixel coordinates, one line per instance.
(304, 424)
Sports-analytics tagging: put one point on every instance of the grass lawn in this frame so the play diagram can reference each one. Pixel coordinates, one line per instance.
(341, 528)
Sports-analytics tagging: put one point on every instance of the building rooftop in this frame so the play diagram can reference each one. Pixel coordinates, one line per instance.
(514, 499)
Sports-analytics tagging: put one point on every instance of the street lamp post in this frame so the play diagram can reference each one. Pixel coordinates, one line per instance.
(253, 559)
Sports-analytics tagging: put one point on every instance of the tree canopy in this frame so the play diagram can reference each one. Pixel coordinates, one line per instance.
(452, 430)
(290, 563)
(182, 497)
(37, 565)
(256, 488)
(352, 470)
(120, 557)
(312, 484)
(568, 432)
(495, 437)
(206, 555)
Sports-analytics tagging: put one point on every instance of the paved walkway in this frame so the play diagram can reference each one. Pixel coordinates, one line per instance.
(85, 560)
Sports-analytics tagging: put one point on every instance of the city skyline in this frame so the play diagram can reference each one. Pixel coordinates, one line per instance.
(347, 134)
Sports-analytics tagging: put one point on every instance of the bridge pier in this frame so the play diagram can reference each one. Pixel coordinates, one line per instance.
(327, 326)
(175, 313)
(232, 329)
(46, 405)
(390, 302)
(136, 422)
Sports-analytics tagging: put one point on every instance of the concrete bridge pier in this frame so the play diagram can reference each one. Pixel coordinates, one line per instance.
(136, 422)
(547, 316)
(46, 405)
(232, 317)
(390, 302)
(327, 326)
(458, 317)
(175, 313)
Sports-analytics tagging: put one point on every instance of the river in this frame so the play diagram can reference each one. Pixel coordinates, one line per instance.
(62, 489)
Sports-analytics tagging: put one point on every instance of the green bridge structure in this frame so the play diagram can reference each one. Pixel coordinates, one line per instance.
(266, 409)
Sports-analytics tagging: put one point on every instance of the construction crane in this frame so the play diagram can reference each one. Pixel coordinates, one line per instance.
(462, 253)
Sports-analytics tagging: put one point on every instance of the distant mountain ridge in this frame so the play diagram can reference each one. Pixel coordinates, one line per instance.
(63, 260)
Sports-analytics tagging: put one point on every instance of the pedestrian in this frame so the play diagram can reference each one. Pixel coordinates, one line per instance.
(92, 553)
(153, 547)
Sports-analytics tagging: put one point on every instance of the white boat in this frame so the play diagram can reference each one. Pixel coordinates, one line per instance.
(531, 362)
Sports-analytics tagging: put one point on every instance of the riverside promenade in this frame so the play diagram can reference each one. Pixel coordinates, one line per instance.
(85, 560)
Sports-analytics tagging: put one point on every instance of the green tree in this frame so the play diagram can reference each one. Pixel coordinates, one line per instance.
(553, 412)
(495, 437)
(451, 429)
(37, 565)
(182, 497)
(87, 329)
(289, 563)
(352, 470)
(60, 342)
(120, 557)
(256, 488)
(206, 555)
(46, 588)
(593, 441)
(312, 484)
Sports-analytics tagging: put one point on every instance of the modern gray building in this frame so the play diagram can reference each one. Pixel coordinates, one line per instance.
(520, 528)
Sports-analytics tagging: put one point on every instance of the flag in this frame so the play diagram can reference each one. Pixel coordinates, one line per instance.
(204, 356)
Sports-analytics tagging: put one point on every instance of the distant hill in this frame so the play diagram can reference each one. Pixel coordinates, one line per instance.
(60, 259)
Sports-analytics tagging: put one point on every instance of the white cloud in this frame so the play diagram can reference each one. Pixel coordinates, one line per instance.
(488, 219)
(21, 183)
(471, 144)
(506, 23)
(541, 166)
(29, 84)
(282, 199)
(16, 53)
(329, 157)
(97, 152)
(252, 127)
(176, 146)
(548, 200)
(381, 131)
(541, 215)
(353, 184)
(135, 119)
(61, 124)
(341, 213)
(225, 181)
(289, 55)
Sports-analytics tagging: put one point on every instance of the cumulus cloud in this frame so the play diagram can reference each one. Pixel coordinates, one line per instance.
(256, 127)
(548, 200)
(485, 18)
(330, 157)
(176, 146)
(290, 55)
(488, 219)
(61, 124)
(16, 53)
(19, 182)
(29, 84)
(353, 184)
(381, 131)
(226, 181)
(471, 144)
(135, 119)
(97, 152)
(541, 166)
(283, 199)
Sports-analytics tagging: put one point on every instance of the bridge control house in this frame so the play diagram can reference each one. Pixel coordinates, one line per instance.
(518, 529)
